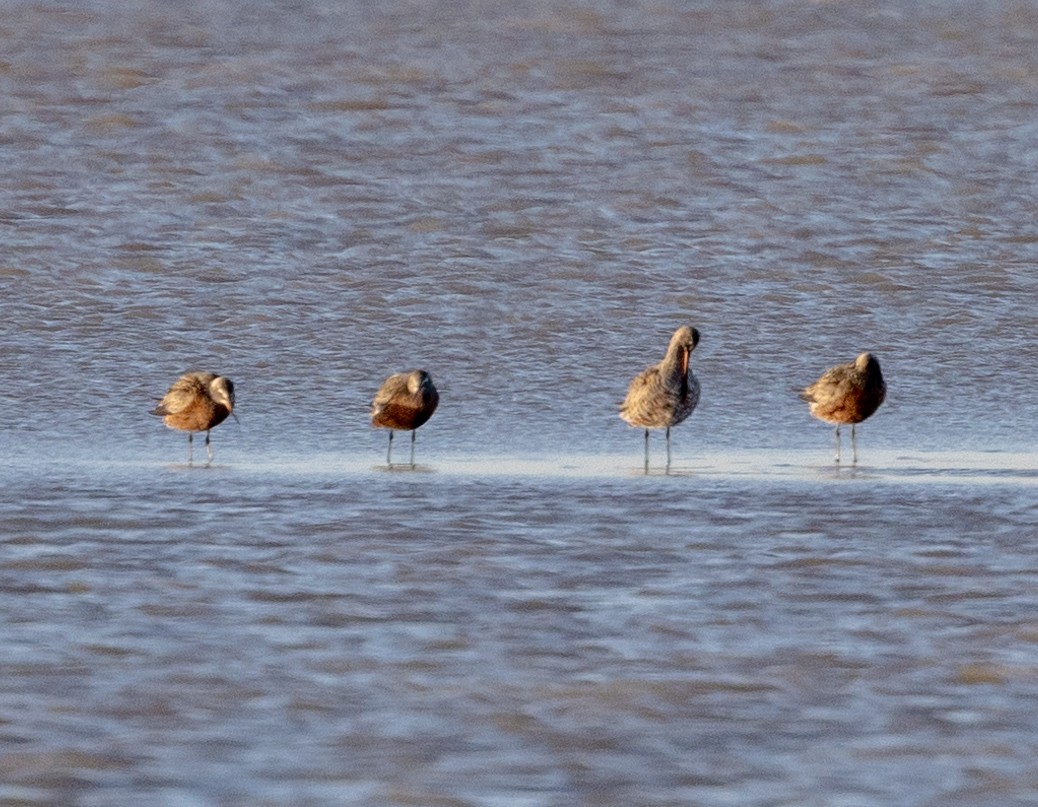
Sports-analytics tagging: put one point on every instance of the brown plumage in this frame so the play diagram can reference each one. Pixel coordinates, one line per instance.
(404, 401)
(665, 394)
(196, 403)
(847, 393)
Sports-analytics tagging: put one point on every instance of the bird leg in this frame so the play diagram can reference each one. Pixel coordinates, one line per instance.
(190, 447)
(389, 452)
(668, 449)
(412, 448)
(208, 449)
(854, 446)
(837, 443)
(646, 451)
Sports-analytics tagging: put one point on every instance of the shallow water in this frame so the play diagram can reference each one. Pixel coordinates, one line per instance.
(526, 201)
(477, 633)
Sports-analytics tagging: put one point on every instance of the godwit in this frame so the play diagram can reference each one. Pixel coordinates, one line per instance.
(665, 394)
(196, 403)
(404, 401)
(847, 393)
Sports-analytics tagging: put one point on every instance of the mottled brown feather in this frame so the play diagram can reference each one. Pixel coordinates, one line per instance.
(665, 394)
(197, 402)
(847, 393)
(405, 401)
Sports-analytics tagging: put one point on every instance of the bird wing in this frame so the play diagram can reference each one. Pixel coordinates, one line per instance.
(180, 396)
(391, 387)
(835, 383)
(641, 394)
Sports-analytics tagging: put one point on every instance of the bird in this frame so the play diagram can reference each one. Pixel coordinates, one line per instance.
(196, 403)
(404, 401)
(847, 393)
(665, 394)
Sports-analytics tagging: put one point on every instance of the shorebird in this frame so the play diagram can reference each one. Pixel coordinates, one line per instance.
(847, 393)
(665, 394)
(196, 403)
(404, 401)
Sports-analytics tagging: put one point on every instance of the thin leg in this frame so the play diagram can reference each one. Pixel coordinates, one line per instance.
(389, 452)
(854, 446)
(837, 443)
(668, 449)
(190, 447)
(208, 449)
(646, 451)
(412, 448)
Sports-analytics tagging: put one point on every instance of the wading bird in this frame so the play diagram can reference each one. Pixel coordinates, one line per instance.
(665, 394)
(404, 401)
(847, 393)
(196, 403)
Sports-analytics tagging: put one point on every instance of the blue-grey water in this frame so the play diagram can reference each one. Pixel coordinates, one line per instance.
(525, 199)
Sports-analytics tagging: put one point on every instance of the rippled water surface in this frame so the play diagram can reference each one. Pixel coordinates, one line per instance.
(525, 199)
